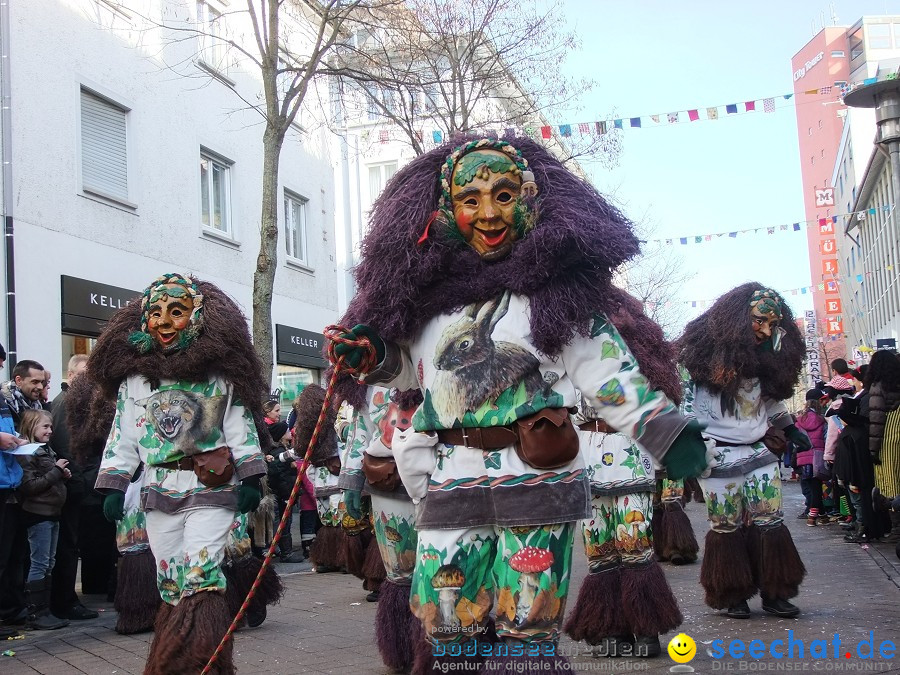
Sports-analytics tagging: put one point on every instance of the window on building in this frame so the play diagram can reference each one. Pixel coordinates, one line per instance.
(879, 35)
(372, 109)
(379, 175)
(823, 153)
(856, 44)
(295, 227)
(820, 124)
(104, 146)
(838, 54)
(215, 194)
(810, 132)
(211, 28)
(812, 160)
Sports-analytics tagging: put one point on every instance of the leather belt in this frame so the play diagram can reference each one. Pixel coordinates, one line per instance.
(598, 426)
(488, 438)
(183, 464)
(733, 444)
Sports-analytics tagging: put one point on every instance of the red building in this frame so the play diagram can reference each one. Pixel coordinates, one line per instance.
(823, 66)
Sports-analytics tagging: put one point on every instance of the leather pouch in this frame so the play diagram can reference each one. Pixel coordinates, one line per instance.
(214, 468)
(775, 441)
(381, 472)
(547, 439)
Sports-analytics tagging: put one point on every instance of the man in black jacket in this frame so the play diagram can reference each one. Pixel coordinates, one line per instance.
(64, 601)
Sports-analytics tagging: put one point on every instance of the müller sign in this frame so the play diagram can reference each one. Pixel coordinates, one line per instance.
(800, 72)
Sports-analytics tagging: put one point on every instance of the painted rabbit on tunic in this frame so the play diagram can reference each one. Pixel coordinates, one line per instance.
(472, 368)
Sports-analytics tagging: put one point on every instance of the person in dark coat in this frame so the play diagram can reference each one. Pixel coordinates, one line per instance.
(64, 601)
(854, 468)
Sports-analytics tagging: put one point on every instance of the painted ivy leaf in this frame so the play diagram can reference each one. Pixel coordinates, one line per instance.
(492, 460)
(609, 350)
(471, 163)
(611, 393)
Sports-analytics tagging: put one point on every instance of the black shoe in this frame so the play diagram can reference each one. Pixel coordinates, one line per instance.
(373, 596)
(8, 633)
(647, 646)
(293, 557)
(879, 501)
(804, 515)
(255, 617)
(325, 569)
(77, 612)
(780, 607)
(16, 618)
(739, 611)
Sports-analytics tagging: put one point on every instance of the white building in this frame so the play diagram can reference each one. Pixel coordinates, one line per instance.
(869, 243)
(129, 151)
(853, 155)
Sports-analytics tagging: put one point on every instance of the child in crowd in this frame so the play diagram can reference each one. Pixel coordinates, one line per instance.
(41, 496)
(811, 463)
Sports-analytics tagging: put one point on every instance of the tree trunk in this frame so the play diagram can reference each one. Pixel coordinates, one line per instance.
(267, 260)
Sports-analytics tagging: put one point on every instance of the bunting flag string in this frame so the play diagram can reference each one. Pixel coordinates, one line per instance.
(769, 229)
(829, 286)
(601, 127)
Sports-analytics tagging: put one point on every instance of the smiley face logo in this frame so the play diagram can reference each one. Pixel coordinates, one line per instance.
(682, 648)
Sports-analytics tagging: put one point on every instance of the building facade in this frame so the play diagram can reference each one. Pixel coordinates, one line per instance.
(134, 153)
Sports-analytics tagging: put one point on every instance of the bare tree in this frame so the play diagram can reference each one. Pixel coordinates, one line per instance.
(287, 45)
(451, 66)
(655, 279)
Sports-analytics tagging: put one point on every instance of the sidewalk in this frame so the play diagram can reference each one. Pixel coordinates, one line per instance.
(324, 624)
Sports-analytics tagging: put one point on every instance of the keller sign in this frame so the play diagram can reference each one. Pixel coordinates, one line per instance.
(88, 305)
(298, 347)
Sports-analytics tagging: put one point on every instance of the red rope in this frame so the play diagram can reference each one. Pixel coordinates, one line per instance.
(333, 334)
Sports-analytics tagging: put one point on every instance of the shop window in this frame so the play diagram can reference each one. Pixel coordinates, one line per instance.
(838, 54)
(71, 345)
(291, 381)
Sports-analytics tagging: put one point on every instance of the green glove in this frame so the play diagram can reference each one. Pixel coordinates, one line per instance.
(353, 355)
(249, 494)
(686, 457)
(352, 499)
(114, 506)
(797, 437)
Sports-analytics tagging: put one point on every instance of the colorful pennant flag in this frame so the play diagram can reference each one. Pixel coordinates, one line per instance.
(731, 108)
(673, 117)
(769, 105)
(712, 113)
(750, 106)
(636, 122)
(693, 115)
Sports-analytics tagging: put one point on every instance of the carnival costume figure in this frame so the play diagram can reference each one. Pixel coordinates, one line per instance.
(673, 536)
(89, 416)
(328, 550)
(485, 282)
(625, 602)
(744, 355)
(370, 468)
(189, 390)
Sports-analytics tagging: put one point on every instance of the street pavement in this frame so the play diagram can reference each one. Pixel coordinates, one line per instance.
(324, 624)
